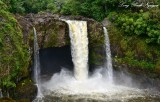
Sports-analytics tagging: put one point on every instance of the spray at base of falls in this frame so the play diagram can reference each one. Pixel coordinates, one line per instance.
(37, 65)
(79, 48)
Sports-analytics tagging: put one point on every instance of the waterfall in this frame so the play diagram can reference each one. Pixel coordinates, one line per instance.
(79, 48)
(98, 86)
(108, 63)
(36, 64)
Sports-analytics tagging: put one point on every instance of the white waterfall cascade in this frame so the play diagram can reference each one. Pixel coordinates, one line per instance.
(36, 64)
(108, 63)
(79, 48)
(99, 85)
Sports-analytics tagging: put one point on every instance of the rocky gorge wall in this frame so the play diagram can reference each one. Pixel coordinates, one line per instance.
(133, 56)
(128, 53)
(52, 32)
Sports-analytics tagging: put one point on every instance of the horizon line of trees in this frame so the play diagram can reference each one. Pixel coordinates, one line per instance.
(97, 9)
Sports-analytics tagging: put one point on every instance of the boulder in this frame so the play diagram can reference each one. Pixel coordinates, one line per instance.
(25, 91)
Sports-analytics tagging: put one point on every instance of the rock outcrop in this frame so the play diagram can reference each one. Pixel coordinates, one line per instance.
(52, 31)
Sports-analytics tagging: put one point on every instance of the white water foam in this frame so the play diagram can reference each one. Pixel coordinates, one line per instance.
(97, 87)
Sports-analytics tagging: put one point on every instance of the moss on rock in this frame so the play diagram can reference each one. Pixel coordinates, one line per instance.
(157, 68)
(25, 90)
(96, 43)
(51, 31)
(14, 57)
(5, 99)
(133, 51)
(56, 34)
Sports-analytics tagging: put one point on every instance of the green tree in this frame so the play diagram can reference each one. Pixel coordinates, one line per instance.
(14, 58)
(15, 6)
(143, 24)
(89, 8)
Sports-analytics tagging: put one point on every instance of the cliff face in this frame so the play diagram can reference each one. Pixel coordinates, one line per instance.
(16, 47)
(128, 52)
(14, 56)
(53, 32)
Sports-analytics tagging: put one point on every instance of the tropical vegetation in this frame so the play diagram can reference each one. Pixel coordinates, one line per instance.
(141, 21)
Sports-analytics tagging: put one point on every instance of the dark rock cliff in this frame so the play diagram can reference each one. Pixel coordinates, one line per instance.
(53, 32)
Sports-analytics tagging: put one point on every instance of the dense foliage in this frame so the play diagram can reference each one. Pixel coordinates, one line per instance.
(134, 51)
(14, 57)
(97, 9)
(143, 24)
(33, 6)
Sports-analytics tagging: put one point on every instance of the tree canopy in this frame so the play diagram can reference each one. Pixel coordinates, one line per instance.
(97, 9)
